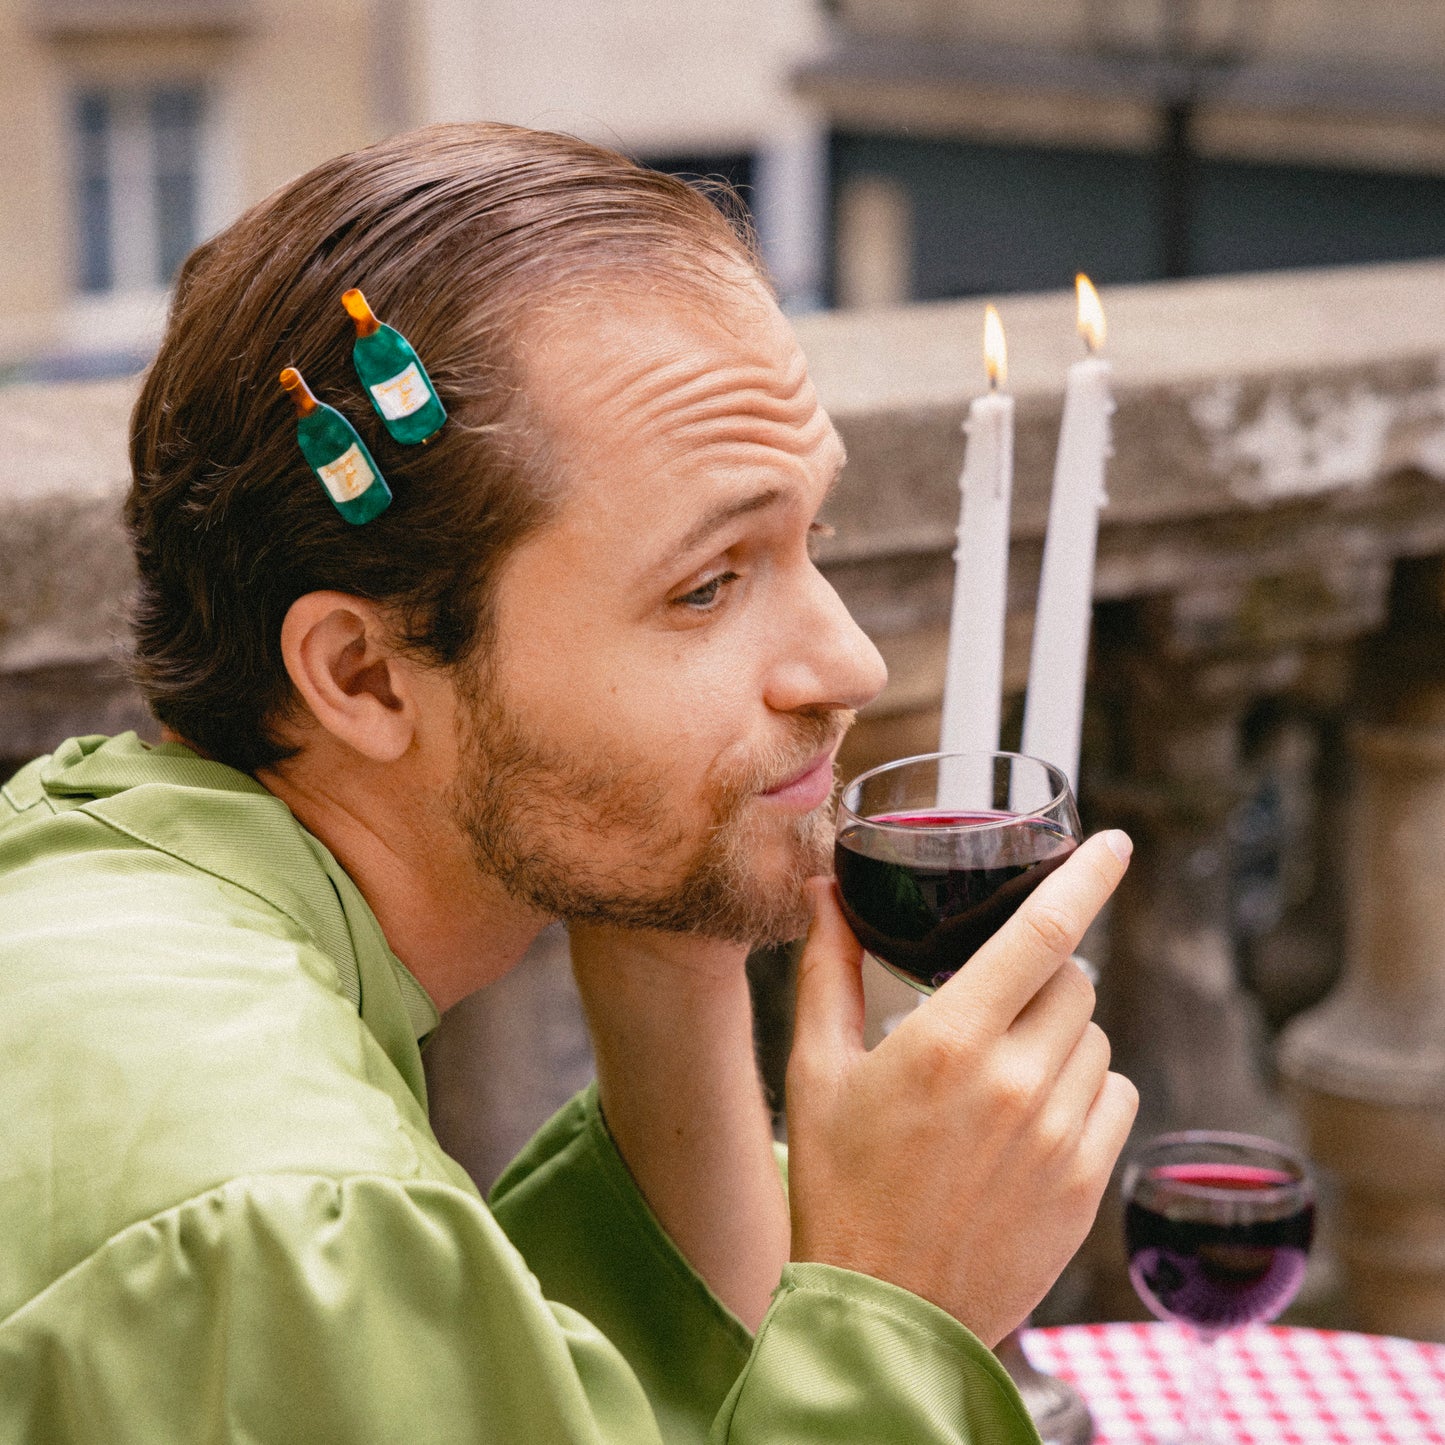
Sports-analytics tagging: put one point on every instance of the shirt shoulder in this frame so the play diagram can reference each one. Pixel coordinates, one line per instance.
(164, 1030)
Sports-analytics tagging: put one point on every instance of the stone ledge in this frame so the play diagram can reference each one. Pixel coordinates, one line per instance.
(1234, 394)
(1266, 425)
(65, 568)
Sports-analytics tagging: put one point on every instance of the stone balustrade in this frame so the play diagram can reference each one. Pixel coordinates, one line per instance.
(1269, 588)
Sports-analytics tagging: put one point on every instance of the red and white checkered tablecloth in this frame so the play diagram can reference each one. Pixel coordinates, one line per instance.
(1277, 1386)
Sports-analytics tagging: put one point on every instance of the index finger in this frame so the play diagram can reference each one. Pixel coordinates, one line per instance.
(999, 980)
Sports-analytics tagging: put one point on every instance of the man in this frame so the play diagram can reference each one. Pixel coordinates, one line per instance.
(582, 667)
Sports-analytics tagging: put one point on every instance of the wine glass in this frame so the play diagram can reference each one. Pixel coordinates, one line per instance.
(1218, 1228)
(934, 854)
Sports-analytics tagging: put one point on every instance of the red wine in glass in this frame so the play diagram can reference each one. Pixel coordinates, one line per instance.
(935, 854)
(1216, 1273)
(925, 921)
(1218, 1229)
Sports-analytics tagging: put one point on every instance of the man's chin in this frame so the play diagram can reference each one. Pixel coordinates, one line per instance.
(759, 901)
(755, 917)
(801, 849)
(764, 929)
(769, 900)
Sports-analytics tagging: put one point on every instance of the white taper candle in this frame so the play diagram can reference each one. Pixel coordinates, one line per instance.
(973, 681)
(1054, 706)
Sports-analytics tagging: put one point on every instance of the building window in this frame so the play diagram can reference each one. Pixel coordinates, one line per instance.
(138, 172)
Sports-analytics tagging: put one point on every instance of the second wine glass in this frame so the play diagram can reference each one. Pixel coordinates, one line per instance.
(1218, 1228)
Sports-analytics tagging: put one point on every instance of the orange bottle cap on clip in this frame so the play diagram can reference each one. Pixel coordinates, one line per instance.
(360, 312)
(300, 393)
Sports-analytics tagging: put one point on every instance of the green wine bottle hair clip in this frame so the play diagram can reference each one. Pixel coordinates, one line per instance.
(337, 454)
(393, 376)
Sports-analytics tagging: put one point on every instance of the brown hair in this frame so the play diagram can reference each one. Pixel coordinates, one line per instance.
(456, 233)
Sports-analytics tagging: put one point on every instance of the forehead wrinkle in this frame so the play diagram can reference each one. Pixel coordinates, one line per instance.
(730, 429)
(738, 418)
(661, 392)
(676, 402)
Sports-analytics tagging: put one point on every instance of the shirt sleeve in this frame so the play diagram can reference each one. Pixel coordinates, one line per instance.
(295, 1308)
(367, 1310)
(840, 1356)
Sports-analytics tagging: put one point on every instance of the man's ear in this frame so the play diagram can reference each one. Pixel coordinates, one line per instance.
(340, 660)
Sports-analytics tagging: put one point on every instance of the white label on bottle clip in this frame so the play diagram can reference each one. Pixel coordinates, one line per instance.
(402, 394)
(348, 476)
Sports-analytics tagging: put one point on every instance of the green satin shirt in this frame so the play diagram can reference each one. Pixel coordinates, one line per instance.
(224, 1217)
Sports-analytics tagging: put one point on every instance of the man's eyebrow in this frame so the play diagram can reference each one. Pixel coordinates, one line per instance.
(724, 513)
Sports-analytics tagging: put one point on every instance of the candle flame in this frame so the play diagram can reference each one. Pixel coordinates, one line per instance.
(995, 350)
(1091, 313)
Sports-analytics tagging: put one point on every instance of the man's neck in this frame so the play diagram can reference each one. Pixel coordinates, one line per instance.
(454, 928)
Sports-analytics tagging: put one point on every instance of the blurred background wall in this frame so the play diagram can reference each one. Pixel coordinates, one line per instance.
(889, 149)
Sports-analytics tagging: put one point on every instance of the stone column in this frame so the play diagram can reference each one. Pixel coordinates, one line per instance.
(1177, 679)
(1183, 1028)
(1368, 1065)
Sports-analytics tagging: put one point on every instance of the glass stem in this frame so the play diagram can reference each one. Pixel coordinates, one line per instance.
(1201, 1404)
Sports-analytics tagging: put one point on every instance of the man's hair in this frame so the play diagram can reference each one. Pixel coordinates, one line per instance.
(458, 234)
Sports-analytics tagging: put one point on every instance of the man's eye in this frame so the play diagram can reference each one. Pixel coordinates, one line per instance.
(704, 598)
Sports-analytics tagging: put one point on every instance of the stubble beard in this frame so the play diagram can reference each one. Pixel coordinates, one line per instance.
(528, 813)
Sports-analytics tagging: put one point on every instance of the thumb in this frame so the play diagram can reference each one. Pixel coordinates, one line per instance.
(829, 1006)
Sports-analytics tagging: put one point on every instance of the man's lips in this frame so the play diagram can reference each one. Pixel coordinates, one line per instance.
(809, 787)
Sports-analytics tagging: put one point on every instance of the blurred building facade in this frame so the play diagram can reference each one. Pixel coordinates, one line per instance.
(987, 145)
(148, 124)
(891, 150)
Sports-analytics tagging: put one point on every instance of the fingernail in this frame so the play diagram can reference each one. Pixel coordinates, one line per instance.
(1119, 843)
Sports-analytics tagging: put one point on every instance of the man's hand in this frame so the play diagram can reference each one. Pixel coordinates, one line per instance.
(964, 1157)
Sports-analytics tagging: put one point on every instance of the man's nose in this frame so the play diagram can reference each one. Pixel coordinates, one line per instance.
(827, 660)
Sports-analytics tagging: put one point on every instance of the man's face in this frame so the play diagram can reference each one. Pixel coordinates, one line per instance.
(650, 742)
